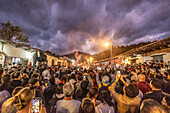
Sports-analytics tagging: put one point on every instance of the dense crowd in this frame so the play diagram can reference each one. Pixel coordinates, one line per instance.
(130, 88)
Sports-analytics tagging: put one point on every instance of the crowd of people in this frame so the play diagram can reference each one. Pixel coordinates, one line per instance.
(130, 88)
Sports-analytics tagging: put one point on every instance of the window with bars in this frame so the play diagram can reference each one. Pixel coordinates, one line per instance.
(158, 58)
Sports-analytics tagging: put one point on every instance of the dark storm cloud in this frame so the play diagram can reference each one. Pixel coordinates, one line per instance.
(62, 26)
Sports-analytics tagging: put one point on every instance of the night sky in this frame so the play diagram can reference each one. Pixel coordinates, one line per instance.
(63, 26)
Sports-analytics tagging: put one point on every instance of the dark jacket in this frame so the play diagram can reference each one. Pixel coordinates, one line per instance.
(156, 95)
(6, 87)
(15, 83)
(167, 87)
(49, 92)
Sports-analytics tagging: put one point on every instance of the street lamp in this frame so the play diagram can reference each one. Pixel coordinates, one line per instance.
(91, 59)
(107, 44)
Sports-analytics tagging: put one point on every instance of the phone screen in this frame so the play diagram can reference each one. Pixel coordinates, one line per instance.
(84, 76)
(118, 74)
(117, 65)
(99, 68)
(36, 105)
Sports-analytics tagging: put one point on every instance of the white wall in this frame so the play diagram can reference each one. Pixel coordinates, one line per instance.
(147, 58)
(0, 46)
(2, 59)
(50, 58)
(12, 51)
(166, 57)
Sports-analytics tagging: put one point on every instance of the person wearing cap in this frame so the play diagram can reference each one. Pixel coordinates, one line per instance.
(105, 82)
(68, 103)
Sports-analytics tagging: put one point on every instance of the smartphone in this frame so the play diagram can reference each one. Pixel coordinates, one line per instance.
(99, 68)
(118, 74)
(117, 65)
(36, 102)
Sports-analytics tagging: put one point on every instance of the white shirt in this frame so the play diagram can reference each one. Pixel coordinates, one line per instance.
(68, 106)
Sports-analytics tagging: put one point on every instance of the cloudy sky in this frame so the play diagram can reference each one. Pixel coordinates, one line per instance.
(63, 26)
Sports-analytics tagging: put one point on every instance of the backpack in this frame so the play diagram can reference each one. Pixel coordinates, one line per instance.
(52, 104)
(102, 86)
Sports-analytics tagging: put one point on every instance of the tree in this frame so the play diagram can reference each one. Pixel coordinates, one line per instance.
(13, 33)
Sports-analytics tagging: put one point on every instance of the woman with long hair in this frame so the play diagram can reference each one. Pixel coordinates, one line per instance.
(87, 106)
(23, 101)
(92, 94)
(107, 103)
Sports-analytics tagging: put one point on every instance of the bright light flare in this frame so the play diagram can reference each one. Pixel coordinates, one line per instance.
(106, 44)
(73, 61)
(91, 58)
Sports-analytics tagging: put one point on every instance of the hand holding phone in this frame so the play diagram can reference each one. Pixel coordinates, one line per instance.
(36, 102)
(118, 74)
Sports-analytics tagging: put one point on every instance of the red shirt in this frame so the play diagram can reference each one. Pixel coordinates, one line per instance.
(144, 87)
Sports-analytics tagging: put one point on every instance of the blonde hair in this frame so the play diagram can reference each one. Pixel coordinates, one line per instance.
(8, 106)
(23, 97)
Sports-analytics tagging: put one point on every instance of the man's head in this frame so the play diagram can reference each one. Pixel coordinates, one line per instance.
(156, 84)
(84, 85)
(131, 91)
(16, 75)
(152, 106)
(134, 82)
(68, 89)
(35, 75)
(14, 68)
(105, 79)
(133, 71)
(141, 78)
(6, 78)
(159, 76)
(34, 82)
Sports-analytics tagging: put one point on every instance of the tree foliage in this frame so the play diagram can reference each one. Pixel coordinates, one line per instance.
(13, 33)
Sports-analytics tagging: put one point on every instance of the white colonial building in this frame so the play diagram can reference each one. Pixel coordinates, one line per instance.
(10, 52)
